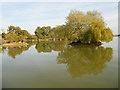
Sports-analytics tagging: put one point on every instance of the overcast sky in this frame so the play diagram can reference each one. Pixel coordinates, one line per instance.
(29, 15)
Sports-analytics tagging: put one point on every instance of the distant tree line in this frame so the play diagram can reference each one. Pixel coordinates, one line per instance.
(79, 27)
(16, 34)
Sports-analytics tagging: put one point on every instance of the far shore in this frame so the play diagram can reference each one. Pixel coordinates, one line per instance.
(14, 44)
(17, 44)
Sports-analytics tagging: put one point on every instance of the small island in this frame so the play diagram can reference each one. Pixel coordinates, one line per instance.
(79, 29)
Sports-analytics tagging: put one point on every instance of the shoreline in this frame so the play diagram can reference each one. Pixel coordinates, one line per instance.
(13, 44)
(93, 44)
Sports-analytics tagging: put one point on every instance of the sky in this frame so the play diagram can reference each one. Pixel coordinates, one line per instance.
(30, 15)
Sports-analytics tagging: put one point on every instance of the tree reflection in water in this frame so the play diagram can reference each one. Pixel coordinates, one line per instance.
(49, 46)
(40, 47)
(2, 49)
(14, 51)
(82, 60)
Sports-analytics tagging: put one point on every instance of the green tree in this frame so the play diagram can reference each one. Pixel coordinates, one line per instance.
(38, 32)
(43, 32)
(20, 34)
(87, 27)
(11, 37)
(59, 32)
(33, 37)
(13, 28)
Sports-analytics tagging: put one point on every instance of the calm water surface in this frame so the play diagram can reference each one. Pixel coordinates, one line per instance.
(57, 65)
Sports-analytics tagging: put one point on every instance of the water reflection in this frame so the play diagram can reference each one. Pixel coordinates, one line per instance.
(49, 46)
(39, 46)
(82, 60)
(14, 51)
(70, 64)
(2, 50)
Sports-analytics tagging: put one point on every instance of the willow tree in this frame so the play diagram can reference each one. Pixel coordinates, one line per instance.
(87, 27)
(59, 32)
(11, 37)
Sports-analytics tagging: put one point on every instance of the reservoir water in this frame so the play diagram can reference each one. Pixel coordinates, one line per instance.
(58, 65)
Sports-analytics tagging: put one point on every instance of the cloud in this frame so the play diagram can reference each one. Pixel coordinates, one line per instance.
(29, 15)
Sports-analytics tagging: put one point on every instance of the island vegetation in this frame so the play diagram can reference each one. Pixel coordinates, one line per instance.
(79, 28)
